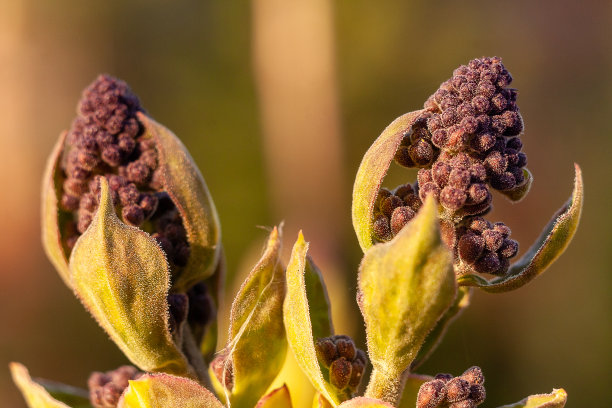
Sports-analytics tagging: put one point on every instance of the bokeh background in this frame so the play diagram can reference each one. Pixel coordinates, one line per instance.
(277, 101)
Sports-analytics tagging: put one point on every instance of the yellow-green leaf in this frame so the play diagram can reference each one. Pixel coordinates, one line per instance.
(462, 300)
(50, 213)
(405, 286)
(277, 398)
(548, 247)
(372, 171)
(163, 390)
(258, 344)
(363, 402)
(35, 394)
(556, 399)
(186, 187)
(412, 384)
(297, 318)
(121, 276)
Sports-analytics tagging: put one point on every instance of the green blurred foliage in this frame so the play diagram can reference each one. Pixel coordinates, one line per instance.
(191, 64)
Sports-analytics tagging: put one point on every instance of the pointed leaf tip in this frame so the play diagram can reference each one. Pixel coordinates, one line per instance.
(35, 394)
(121, 276)
(556, 399)
(304, 323)
(277, 398)
(258, 345)
(551, 243)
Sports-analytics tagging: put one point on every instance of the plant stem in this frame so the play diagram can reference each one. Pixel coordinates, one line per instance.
(384, 386)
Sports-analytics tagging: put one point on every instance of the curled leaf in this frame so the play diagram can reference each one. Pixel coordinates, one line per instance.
(548, 247)
(121, 276)
(38, 396)
(363, 402)
(277, 398)
(258, 344)
(405, 286)
(186, 187)
(462, 301)
(297, 317)
(51, 219)
(556, 399)
(372, 171)
(163, 390)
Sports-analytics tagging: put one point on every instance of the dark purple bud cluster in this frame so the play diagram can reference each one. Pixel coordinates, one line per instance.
(345, 362)
(465, 143)
(485, 247)
(393, 210)
(416, 149)
(465, 391)
(202, 309)
(458, 182)
(106, 140)
(106, 388)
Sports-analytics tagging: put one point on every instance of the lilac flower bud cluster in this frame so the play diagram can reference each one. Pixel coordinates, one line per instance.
(465, 391)
(106, 140)
(486, 247)
(465, 143)
(106, 388)
(346, 363)
(393, 210)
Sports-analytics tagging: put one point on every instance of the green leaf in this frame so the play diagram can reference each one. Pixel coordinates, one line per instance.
(462, 301)
(163, 390)
(258, 345)
(301, 278)
(372, 171)
(555, 399)
(186, 187)
(519, 192)
(34, 393)
(412, 384)
(50, 217)
(549, 246)
(121, 276)
(363, 402)
(405, 286)
(277, 398)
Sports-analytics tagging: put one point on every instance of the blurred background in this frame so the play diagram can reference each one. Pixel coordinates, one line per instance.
(277, 101)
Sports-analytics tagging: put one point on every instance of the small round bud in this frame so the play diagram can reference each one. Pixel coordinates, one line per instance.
(177, 307)
(459, 178)
(440, 172)
(112, 155)
(133, 215)
(138, 172)
(346, 348)
(326, 351)
(493, 240)
(400, 217)
(477, 393)
(340, 373)
(470, 247)
(473, 375)
(429, 189)
(357, 370)
(69, 202)
(431, 394)
(452, 198)
(129, 195)
(457, 389)
(382, 228)
(389, 204)
(488, 263)
(509, 248)
(403, 158)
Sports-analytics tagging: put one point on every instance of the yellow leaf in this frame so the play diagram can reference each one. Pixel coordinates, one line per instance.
(555, 399)
(35, 394)
(278, 398)
(163, 390)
